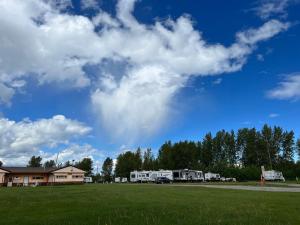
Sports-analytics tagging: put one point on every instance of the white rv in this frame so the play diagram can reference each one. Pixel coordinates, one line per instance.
(140, 176)
(88, 180)
(117, 179)
(271, 175)
(188, 175)
(149, 176)
(162, 173)
(124, 180)
(212, 176)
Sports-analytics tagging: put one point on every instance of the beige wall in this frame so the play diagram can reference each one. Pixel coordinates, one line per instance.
(2, 176)
(19, 178)
(67, 175)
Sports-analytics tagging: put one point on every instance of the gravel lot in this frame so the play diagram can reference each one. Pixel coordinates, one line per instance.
(249, 188)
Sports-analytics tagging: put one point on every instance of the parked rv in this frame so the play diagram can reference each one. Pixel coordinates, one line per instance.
(149, 176)
(273, 175)
(212, 176)
(124, 180)
(188, 175)
(117, 179)
(88, 180)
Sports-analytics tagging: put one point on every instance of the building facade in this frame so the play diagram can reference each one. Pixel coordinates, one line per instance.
(24, 176)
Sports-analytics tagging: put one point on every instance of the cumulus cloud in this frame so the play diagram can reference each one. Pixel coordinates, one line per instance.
(289, 88)
(73, 152)
(20, 140)
(54, 46)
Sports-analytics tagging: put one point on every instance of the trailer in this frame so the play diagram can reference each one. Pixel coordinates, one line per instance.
(140, 176)
(162, 173)
(149, 176)
(271, 175)
(188, 175)
(88, 180)
(117, 179)
(212, 176)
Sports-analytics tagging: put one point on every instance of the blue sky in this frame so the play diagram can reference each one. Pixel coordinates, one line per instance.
(95, 78)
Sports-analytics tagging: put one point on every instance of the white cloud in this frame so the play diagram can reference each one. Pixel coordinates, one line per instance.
(217, 81)
(287, 89)
(20, 140)
(73, 152)
(269, 8)
(159, 58)
(90, 4)
(6, 93)
(260, 57)
(274, 115)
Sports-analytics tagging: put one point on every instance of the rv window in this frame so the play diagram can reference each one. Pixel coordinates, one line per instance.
(176, 174)
(132, 175)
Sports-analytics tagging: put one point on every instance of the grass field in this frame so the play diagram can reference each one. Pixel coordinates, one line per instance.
(145, 204)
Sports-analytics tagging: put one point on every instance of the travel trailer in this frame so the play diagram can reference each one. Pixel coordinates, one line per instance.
(212, 176)
(140, 176)
(88, 180)
(188, 175)
(149, 176)
(271, 175)
(162, 173)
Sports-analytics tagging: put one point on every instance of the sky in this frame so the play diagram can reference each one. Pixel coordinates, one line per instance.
(95, 78)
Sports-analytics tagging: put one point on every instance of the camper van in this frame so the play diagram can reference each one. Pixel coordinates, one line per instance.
(212, 176)
(188, 175)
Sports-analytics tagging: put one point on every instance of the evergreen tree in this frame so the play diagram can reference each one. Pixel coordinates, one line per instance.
(288, 146)
(126, 163)
(49, 164)
(86, 164)
(298, 148)
(107, 169)
(35, 162)
(148, 160)
(207, 156)
(164, 156)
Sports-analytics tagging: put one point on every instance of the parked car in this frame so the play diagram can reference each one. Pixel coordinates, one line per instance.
(162, 180)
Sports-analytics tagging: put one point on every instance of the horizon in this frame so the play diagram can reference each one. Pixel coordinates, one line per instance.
(97, 78)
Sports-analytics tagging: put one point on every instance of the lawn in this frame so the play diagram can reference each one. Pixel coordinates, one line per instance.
(145, 204)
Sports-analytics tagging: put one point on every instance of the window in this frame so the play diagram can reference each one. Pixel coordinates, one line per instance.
(132, 175)
(38, 178)
(77, 176)
(61, 177)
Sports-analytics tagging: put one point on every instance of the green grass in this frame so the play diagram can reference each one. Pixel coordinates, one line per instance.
(145, 204)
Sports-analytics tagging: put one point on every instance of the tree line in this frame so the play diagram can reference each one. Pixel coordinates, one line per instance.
(233, 154)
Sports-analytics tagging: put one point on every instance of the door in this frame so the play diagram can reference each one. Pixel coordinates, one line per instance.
(26, 181)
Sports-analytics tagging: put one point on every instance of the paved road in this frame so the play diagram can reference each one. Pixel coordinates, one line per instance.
(248, 188)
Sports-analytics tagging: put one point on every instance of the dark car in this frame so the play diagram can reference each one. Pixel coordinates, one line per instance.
(162, 180)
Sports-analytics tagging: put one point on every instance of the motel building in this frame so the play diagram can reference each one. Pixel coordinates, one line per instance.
(25, 176)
